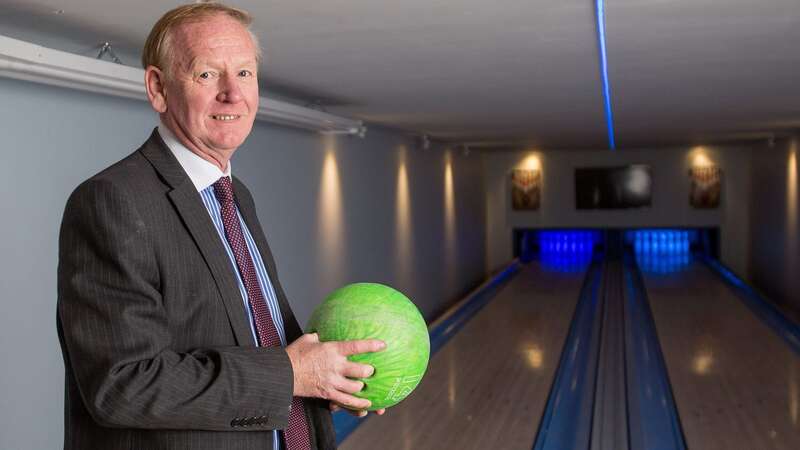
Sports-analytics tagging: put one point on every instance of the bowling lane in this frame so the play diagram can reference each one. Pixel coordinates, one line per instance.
(736, 383)
(487, 387)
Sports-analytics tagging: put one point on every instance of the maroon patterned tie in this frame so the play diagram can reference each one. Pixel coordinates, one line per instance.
(296, 433)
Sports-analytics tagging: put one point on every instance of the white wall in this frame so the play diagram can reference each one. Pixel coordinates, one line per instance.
(775, 230)
(54, 138)
(319, 249)
(670, 206)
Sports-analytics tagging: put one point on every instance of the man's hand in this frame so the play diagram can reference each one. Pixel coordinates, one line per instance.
(321, 369)
(358, 413)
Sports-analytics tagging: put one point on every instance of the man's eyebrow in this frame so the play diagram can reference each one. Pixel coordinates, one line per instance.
(197, 62)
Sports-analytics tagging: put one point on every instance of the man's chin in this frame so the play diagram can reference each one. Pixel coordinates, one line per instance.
(228, 143)
(231, 137)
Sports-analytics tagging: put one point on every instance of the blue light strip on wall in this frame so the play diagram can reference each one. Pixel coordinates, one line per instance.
(601, 37)
(762, 307)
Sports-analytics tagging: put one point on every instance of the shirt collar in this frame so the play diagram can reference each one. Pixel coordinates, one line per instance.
(202, 173)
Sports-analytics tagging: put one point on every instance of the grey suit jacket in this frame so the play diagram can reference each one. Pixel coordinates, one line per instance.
(157, 349)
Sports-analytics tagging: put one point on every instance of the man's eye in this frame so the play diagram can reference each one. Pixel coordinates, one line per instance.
(245, 73)
(206, 75)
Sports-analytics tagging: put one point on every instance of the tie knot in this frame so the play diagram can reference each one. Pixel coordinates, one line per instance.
(223, 189)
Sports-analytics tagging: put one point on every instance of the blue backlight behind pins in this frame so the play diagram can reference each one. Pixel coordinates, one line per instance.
(662, 250)
(567, 250)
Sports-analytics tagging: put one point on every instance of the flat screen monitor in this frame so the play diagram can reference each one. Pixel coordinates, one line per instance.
(613, 187)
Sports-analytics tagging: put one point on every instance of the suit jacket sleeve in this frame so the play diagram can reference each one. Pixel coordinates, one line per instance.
(118, 338)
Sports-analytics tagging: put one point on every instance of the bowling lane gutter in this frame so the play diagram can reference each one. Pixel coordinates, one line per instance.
(442, 330)
(566, 422)
(760, 306)
(653, 419)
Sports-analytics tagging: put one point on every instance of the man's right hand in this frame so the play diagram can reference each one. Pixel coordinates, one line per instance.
(322, 370)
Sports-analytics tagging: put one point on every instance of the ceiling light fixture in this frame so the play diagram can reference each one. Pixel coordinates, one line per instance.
(25, 61)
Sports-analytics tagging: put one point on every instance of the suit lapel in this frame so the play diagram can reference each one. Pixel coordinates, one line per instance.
(248, 210)
(190, 208)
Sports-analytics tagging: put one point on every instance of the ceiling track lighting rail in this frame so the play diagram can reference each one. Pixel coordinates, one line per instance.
(30, 62)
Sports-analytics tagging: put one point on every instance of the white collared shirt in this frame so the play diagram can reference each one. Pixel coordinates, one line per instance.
(202, 173)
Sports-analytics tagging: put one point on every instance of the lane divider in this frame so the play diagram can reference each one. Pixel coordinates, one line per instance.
(760, 306)
(442, 330)
(610, 420)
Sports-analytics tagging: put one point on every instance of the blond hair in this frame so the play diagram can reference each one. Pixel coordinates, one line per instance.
(158, 46)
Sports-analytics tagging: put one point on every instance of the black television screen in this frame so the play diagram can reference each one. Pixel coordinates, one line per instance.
(613, 187)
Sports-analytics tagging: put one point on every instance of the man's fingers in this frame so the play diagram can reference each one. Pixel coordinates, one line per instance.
(350, 401)
(350, 386)
(334, 407)
(348, 348)
(357, 370)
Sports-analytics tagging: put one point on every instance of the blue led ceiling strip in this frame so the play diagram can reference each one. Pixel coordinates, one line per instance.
(601, 38)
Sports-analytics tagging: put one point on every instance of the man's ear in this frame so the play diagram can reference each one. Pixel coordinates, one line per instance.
(154, 83)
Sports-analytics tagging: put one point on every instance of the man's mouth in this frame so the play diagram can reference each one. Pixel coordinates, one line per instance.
(225, 117)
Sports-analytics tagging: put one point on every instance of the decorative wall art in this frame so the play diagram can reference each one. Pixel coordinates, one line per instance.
(526, 187)
(706, 187)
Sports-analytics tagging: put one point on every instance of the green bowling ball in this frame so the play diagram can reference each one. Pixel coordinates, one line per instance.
(375, 311)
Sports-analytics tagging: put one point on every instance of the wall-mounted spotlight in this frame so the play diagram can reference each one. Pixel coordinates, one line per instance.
(532, 162)
(356, 130)
(425, 143)
(699, 158)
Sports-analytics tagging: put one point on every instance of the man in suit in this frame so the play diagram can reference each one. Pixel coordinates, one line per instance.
(175, 331)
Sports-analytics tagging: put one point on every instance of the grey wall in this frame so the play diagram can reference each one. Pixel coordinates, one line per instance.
(775, 230)
(670, 206)
(54, 138)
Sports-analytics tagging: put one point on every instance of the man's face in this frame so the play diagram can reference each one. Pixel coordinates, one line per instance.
(211, 88)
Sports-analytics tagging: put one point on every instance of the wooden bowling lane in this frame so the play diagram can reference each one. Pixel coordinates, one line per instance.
(736, 383)
(487, 387)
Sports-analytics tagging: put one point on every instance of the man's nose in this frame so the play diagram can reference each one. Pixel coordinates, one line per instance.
(229, 89)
